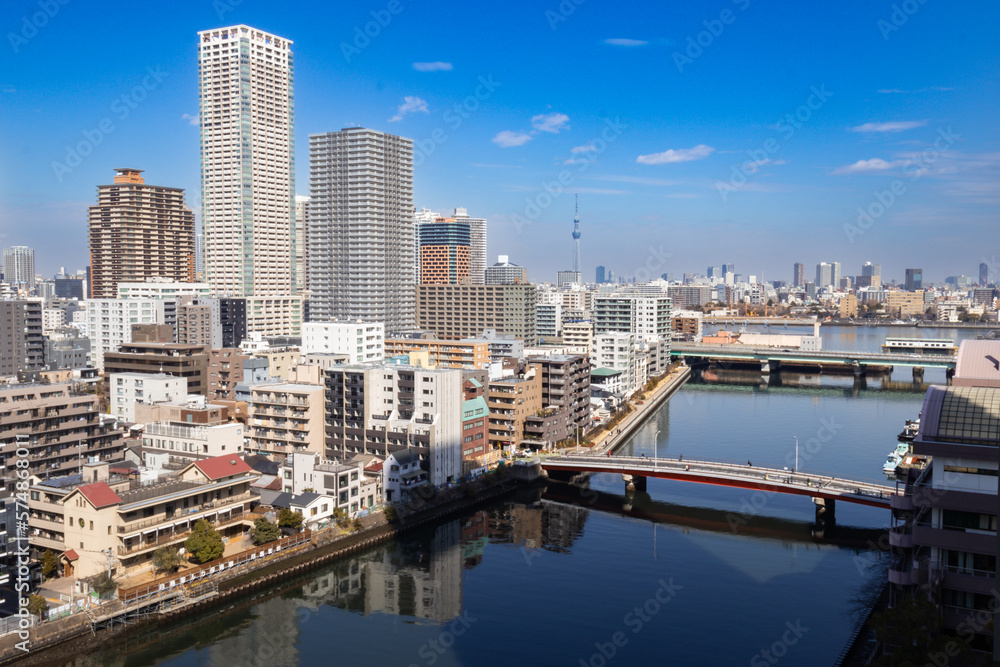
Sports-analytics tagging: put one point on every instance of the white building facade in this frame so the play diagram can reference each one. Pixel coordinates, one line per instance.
(363, 342)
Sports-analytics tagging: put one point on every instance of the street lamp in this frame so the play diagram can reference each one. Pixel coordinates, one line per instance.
(796, 453)
(655, 436)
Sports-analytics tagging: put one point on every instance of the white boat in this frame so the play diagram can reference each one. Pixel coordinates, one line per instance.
(891, 462)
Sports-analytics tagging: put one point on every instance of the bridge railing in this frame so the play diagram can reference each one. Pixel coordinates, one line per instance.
(729, 467)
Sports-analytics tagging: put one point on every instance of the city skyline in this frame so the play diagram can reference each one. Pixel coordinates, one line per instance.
(665, 176)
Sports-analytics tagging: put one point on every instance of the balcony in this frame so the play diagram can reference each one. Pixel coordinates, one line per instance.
(175, 537)
(185, 514)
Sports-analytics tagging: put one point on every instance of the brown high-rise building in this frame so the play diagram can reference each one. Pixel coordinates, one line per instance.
(138, 231)
(445, 252)
(186, 361)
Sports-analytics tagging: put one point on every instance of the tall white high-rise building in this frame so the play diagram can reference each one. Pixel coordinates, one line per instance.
(477, 253)
(301, 223)
(360, 239)
(247, 161)
(19, 265)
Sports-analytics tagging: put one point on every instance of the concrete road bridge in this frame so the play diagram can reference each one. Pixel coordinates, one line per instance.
(824, 490)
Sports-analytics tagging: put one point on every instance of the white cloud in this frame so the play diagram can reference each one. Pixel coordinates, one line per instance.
(897, 126)
(550, 122)
(936, 89)
(699, 152)
(436, 66)
(586, 148)
(868, 166)
(192, 120)
(410, 104)
(626, 42)
(507, 138)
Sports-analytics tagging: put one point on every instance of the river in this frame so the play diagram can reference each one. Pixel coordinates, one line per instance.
(684, 574)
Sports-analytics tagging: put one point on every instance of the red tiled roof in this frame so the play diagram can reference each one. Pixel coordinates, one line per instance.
(218, 467)
(71, 555)
(375, 467)
(99, 494)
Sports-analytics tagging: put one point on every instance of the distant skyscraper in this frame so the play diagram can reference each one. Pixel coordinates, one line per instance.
(600, 276)
(139, 231)
(505, 273)
(824, 275)
(869, 270)
(247, 161)
(728, 268)
(576, 236)
(19, 266)
(798, 274)
(445, 248)
(477, 256)
(984, 274)
(835, 274)
(714, 272)
(361, 237)
(914, 279)
(301, 222)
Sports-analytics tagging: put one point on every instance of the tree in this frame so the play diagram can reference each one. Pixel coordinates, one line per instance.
(37, 605)
(264, 531)
(166, 559)
(390, 513)
(204, 543)
(289, 519)
(50, 564)
(911, 631)
(103, 584)
(356, 524)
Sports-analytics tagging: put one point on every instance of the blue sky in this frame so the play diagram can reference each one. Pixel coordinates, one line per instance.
(694, 134)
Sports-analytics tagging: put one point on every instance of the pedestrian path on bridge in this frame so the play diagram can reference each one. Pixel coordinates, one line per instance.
(777, 480)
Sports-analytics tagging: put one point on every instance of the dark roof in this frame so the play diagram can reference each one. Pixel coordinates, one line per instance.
(262, 464)
(282, 500)
(405, 456)
(60, 482)
(305, 498)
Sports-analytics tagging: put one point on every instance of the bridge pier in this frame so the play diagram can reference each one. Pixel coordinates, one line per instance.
(860, 382)
(826, 515)
(949, 373)
(918, 375)
(634, 483)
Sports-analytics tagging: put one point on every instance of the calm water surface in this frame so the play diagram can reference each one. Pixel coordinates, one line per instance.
(709, 576)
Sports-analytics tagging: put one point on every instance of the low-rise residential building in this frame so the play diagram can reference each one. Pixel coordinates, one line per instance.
(617, 350)
(476, 450)
(466, 354)
(401, 474)
(381, 409)
(286, 418)
(225, 371)
(127, 389)
(192, 409)
(345, 483)
(174, 445)
(59, 427)
(187, 361)
(362, 342)
(511, 401)
(134, 519)
(579, 333)
(687, 325)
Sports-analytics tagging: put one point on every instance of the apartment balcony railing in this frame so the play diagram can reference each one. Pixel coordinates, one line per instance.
(220, 505)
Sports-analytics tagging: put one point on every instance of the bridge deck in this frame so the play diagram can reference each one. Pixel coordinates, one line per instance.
(732, 474)
(759, 353)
